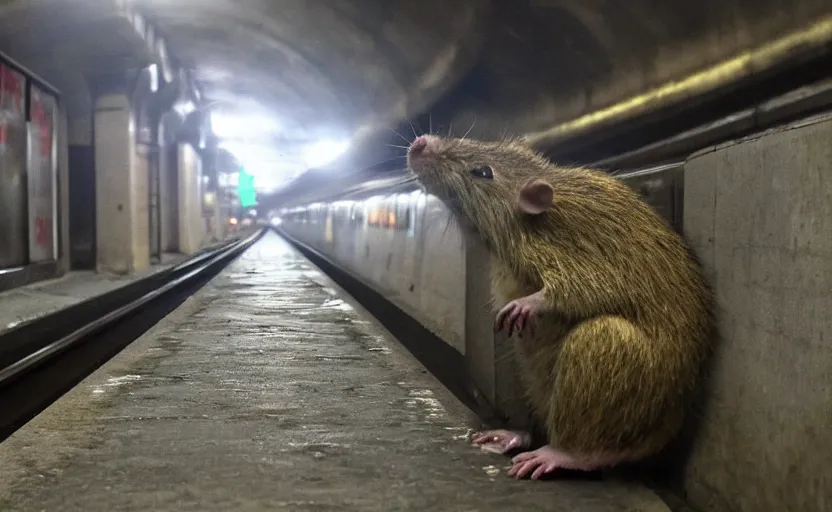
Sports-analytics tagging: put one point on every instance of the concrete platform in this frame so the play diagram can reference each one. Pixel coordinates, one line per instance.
(35, 300)
(267, 391)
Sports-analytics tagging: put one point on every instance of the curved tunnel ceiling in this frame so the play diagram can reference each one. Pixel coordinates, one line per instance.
(552, 61)
(353, 68)
(321, 70)
(547, 63)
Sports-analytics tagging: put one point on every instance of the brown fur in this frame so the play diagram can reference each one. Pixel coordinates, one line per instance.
(611, 368)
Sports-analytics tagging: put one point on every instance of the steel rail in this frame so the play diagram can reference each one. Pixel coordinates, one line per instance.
(176, 277)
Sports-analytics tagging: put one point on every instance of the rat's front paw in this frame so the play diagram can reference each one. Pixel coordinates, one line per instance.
(520, 315)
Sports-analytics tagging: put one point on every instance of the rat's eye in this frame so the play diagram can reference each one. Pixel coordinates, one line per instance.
(484, 171)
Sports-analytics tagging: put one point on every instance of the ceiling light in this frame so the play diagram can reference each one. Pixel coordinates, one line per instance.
(184, 107)
(241, 127)
(153, 75)
(324, 152)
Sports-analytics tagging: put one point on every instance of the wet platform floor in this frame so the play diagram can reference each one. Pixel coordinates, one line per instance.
(266, 391)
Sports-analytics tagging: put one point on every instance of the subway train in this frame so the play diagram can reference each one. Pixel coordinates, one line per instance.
(386, 232)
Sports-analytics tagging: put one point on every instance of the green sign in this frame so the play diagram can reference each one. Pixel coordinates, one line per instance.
(245, 189)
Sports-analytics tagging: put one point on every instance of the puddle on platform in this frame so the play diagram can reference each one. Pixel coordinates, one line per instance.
(113, 382)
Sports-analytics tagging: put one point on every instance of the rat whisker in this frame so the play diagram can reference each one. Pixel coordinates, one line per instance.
(471, 128)
(400, 135)
(411, 128)
(430, 123)
(396, 146)
(450, 127)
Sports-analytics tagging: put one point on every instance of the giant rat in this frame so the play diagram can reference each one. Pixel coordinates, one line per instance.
(610, 306)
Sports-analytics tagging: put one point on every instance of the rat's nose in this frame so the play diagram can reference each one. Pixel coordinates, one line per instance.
(418, 145)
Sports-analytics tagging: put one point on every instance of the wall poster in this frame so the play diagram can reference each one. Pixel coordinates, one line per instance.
(13, 242)
(42, 176)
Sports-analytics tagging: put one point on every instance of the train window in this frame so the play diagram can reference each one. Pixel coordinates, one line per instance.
(373, 215)
(392, 212)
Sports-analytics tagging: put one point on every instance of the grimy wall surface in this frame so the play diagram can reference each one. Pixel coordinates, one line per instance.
(759, 213)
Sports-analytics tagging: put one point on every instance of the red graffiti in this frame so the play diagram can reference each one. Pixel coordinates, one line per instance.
(42, 228)
(11, 85)
(42, 120)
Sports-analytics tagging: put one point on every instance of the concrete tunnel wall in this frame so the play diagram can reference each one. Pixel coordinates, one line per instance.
(758, 211)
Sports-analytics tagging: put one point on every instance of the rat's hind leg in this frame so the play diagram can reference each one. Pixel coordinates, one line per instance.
(501, 441)
(616, 390)
(547, 459)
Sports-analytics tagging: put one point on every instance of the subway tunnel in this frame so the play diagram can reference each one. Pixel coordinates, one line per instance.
(225, 183)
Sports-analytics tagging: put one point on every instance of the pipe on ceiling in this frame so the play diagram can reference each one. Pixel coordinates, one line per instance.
(814, 39)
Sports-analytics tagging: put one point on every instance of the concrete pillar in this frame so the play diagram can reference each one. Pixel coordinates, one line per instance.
(140, 179)
(191, 221)
(168, 197)
(121, 187)
(220, 217)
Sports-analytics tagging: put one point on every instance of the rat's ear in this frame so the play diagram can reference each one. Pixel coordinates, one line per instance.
(536, 197)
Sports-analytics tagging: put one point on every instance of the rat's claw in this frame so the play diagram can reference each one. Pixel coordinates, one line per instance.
(500, 319)
(521, 469)
(505, 318)
(515, 320)
(518, 316)
(542, 461)
(543, 469)
(524, 320)
(523, 457)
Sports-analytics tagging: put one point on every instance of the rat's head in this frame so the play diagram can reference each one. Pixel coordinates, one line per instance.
(494, 184)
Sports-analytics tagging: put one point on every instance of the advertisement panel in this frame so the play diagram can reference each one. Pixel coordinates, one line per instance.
(42, 176)
(13, 242)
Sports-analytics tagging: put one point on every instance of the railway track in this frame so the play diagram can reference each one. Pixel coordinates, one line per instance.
(42, 359)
